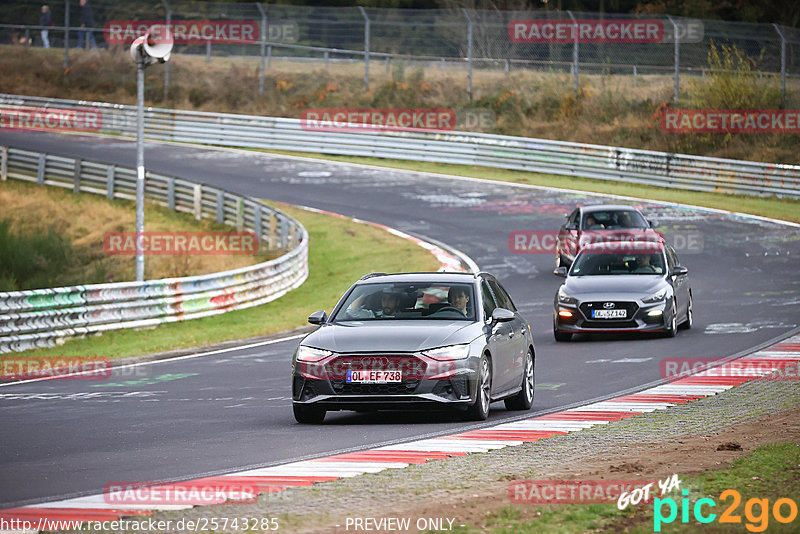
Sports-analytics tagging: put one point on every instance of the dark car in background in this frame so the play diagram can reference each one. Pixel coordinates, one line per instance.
(623, 287)
(416, 341)
(598, 223)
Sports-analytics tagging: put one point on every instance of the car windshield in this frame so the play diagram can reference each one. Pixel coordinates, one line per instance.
(408, 300)
(593, 263)
(614, 220)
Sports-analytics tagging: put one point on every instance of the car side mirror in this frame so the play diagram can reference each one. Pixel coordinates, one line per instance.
(679, 270)
(560, 271)
(653, 224)
(502, 315)
(318, 317)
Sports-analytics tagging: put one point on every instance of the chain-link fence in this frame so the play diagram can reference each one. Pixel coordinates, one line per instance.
(581, 44)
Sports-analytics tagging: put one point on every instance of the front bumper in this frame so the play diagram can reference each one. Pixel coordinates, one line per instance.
(641, 317)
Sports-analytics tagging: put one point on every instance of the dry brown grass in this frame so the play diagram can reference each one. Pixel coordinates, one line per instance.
(86, 218)
(609, 109)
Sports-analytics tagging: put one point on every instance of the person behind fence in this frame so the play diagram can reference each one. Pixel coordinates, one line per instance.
(87, 21)
(46, 20)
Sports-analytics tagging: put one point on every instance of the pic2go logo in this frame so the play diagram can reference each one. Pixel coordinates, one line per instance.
(757, 521)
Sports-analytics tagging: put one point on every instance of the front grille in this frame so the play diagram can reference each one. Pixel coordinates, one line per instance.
(412, 371)
(630, 307)
(394, 388)
(609, 324)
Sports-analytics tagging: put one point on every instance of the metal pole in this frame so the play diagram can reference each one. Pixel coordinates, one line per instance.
(366, 47)
(677, 58)
(469, 53)
(783, 65)
(575, 52)
(208, 51)
(66, 36)
(169, 29)
(139, 169)
(263, 39)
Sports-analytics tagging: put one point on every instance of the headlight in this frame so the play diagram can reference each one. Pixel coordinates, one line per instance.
(310, 354)
(564, 298)
(656, 297)
(451, 352)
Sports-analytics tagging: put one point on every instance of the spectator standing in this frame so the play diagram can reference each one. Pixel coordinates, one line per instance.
(87, 21)
(46, 20)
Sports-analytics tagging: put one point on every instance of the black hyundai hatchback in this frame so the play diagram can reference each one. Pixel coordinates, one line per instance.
(416, 340)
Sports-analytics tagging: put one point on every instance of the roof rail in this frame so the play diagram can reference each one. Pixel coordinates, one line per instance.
(371, 275)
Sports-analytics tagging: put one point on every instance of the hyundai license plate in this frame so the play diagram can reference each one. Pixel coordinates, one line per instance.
(609, 314)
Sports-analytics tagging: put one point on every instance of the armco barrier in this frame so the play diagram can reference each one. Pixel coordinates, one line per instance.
(539, 155)
(41, 317)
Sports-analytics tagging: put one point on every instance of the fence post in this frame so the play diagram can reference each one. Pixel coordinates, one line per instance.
(783, 65)
(208, 51)
(469, 53)
(677, 58)
(258, 225)
(262, 44)
(269, 57)
(166, 65)
(220, 206)
(66, 35)
(110, 177)
(240, 214)
(77, 176)
(198, 201)
(4, 164)
(40, 169)
(27, 38)
(634, 76)
(171, 194)
(574, 52)
(366, 47)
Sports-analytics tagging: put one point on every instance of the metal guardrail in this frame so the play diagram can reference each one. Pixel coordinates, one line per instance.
(42, 317)
(696, 173)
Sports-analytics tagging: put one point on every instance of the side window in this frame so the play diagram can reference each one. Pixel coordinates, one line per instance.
(572, 222)
(502, 301)
(488, 301)
(509, 303)
(672, 261)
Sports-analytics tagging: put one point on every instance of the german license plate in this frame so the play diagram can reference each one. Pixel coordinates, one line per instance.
(609, 314)
(373, 377)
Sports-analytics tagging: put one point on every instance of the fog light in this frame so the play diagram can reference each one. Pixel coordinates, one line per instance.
(564, 313)
(655, 313)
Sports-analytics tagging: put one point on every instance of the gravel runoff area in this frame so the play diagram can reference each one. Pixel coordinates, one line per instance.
(448, 485)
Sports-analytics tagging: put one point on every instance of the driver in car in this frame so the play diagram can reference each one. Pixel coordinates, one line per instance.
(458, 298)
(389, 304)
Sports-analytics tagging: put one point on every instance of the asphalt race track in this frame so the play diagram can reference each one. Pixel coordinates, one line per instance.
(222, 412)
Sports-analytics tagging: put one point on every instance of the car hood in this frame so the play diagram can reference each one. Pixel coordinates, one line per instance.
(396, 336)
(638, 284)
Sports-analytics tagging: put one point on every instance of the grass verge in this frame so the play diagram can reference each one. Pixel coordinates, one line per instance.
(341, 251)
(767, 474)
(773, 207)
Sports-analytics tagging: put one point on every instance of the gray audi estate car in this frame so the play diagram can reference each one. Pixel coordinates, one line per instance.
(631, 286)
(416, 340)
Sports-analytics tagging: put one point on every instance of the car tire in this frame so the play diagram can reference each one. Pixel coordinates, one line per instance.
(309, 414)
(479, 410)
(689, 321)
(561, 336)
(524, 399)
(671, 330)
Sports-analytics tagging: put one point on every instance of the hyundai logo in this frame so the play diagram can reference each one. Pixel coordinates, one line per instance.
(608, 305)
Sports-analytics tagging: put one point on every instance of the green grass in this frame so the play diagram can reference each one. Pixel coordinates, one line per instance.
(770, 472)
(777, 208)
(341, 251)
